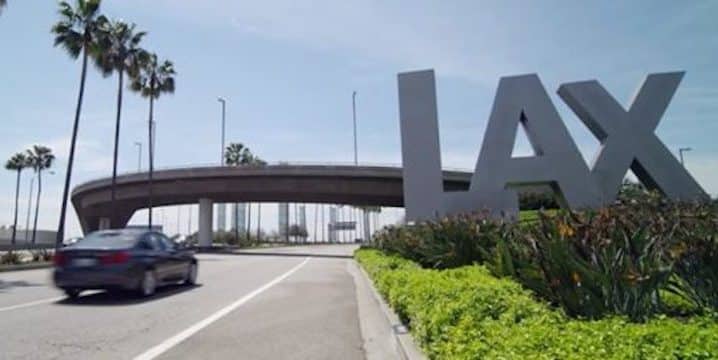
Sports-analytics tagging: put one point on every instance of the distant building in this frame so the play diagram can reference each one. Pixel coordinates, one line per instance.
(332, 222)
(41, 236)
(221, 217)
(283, 221)
(239, 213)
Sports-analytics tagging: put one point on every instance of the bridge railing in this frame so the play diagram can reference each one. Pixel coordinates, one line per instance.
(282, 163)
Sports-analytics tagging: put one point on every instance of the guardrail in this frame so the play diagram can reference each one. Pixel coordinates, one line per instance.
(279, 163)
(283, 163)
(19, 247)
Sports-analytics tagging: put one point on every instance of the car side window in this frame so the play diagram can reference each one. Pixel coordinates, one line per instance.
(150, 242)
(145, 244)
(169, 245)
(157, 241)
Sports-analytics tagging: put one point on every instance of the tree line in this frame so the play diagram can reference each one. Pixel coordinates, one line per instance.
(114, 47)
(38, 158)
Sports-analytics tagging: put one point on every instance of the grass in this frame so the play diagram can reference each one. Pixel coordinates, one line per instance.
(533, 215)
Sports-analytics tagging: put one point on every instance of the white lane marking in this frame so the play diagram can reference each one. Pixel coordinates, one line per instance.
(43, 301)
(178, 338)
(32, 303)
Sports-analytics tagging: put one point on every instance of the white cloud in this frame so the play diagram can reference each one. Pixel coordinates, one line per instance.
(407, 38)
(90, 155)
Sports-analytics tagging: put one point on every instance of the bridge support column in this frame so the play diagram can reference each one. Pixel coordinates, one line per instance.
(205, 222)
(105, 223)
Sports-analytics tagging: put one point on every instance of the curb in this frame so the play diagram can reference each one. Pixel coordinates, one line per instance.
(21, 267)
(402, 341)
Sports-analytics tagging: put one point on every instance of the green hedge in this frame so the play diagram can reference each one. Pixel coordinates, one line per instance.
(467, 313)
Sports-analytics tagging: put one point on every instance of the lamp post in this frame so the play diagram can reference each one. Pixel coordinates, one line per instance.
(221, 207)
(681, 151)
(354, 118)
(189, 220)
(139, 155)
(224, 107)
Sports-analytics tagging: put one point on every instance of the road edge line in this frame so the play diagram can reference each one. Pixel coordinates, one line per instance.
(32, 303)
(169, 343)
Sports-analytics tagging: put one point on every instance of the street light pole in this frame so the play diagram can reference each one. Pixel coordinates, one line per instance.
(681, 151)
(139, 155)
(224, 105)
(221, 218)
(354, 117)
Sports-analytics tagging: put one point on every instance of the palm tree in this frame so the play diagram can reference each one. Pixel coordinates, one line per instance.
(120, 53)
(77, 32)
(18, 163)
(234, 154)
(39, 158)
(153, 79)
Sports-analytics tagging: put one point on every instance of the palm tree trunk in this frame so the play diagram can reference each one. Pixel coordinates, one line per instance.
(17, 200)
(151, 157)
(249, 219)
(259, 221)
(316, 222)
(117, 142)
(29, 209)
(37, 203)
(68, 176)
(235, 219)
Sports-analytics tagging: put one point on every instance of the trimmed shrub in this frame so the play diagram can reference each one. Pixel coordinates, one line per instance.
(467, 313)
(10, 258)
(42, 255)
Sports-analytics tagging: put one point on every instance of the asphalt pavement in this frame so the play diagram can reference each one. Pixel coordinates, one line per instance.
(280, 303)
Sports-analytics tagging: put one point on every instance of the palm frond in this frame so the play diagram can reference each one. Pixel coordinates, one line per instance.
(17, 162)
(154, 78)
(77, 28)
(40, 157)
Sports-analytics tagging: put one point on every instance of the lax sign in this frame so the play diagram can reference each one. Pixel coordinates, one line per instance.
(627, 138)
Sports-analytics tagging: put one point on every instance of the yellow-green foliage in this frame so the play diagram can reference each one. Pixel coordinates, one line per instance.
(467, 313)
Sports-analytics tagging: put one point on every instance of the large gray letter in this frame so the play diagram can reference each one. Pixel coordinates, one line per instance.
(628, 139)
(523, 100)
(520, 99)
(421, 156)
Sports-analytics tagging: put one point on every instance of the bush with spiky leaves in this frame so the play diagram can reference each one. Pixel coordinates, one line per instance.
(617, 260)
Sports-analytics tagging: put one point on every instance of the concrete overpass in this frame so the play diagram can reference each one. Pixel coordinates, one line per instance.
(333, 184)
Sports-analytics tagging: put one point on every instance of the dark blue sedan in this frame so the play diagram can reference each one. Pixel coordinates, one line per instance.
(126, 259)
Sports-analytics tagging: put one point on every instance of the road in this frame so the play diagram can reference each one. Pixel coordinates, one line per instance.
(280, 303)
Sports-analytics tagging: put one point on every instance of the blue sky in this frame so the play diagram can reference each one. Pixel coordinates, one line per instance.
(288, 70)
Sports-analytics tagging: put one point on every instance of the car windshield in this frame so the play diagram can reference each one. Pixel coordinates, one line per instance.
(107, 240)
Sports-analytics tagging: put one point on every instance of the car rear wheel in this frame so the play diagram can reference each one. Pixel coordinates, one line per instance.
(191, 277)
(72, 293)
(148, 284)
